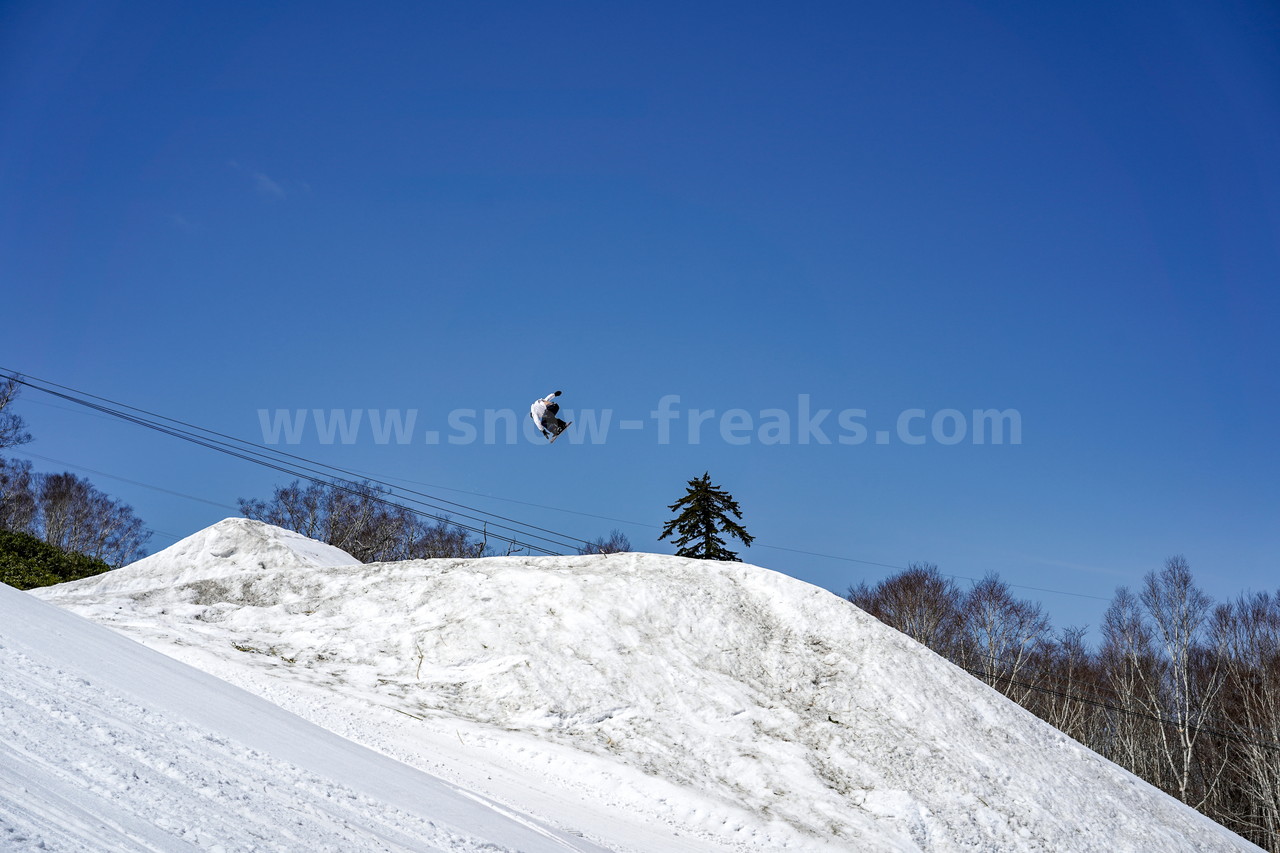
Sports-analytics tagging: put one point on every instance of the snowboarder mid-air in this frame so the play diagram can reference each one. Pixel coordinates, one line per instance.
(543, 413)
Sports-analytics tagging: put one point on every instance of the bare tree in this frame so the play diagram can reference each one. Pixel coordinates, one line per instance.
(1068, 672)
(1179, 613)
(1248, 631)
(13, 430)
(1182, 693)
(429, 540)
(17, 495)
(616, 543)
(1000, 634)
(69, 513)
(361, 519)
(919, 602)
(1129, 664)
(1166, 672)
(76, 517)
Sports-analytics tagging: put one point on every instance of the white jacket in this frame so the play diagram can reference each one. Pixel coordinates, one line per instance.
(544, 407)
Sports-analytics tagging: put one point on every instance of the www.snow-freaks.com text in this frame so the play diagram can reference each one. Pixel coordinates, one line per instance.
(668, 423)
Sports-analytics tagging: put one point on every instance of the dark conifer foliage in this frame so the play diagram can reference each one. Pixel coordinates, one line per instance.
(26, 562)
(704, 513)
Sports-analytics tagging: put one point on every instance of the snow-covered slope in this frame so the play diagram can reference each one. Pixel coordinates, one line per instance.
(110, 746)
(230, 547)
(652, 702)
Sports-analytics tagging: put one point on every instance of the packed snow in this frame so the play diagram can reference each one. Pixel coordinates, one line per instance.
(643, 702)
(110, 746)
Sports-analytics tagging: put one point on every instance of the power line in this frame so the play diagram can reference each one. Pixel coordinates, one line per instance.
(754, 544)
(260, 455)
(528, 503)
(839, 557)
(183, 430)
(149, 530)
(1129, 711)
(263, 451)
(1094, 693)
(125, 480)
(944, 574)
(255, 454)
(1104, 699)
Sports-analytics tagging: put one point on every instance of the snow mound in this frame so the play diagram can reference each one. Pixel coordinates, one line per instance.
(110, 746)
(727, 706)
(232, 546)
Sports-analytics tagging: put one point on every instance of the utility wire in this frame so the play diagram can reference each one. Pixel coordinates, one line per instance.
(753, 545)
(257, 456)
(430, 501)
(1094, 694)
(1089, 694)
(254, 453)
(1129, 711)
(25, 452)
(262, 451)
(944, 574)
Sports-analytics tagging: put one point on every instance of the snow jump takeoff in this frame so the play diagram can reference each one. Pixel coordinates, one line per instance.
(544, 412)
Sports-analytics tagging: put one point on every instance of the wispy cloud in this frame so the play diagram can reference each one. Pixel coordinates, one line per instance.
(183, 224)
(1104, 571)
(265, 185)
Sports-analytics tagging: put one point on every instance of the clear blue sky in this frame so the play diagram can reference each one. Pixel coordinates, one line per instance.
(1068, 211)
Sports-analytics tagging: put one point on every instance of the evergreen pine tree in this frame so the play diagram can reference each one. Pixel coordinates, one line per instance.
(704, 513)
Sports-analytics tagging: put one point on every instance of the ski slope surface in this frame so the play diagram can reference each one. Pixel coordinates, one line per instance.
(641, 702)
(108, 745)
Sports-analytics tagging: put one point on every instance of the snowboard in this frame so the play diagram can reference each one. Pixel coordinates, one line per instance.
(560, 433)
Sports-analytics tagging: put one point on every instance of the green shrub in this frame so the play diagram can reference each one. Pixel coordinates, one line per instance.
(26, 562)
